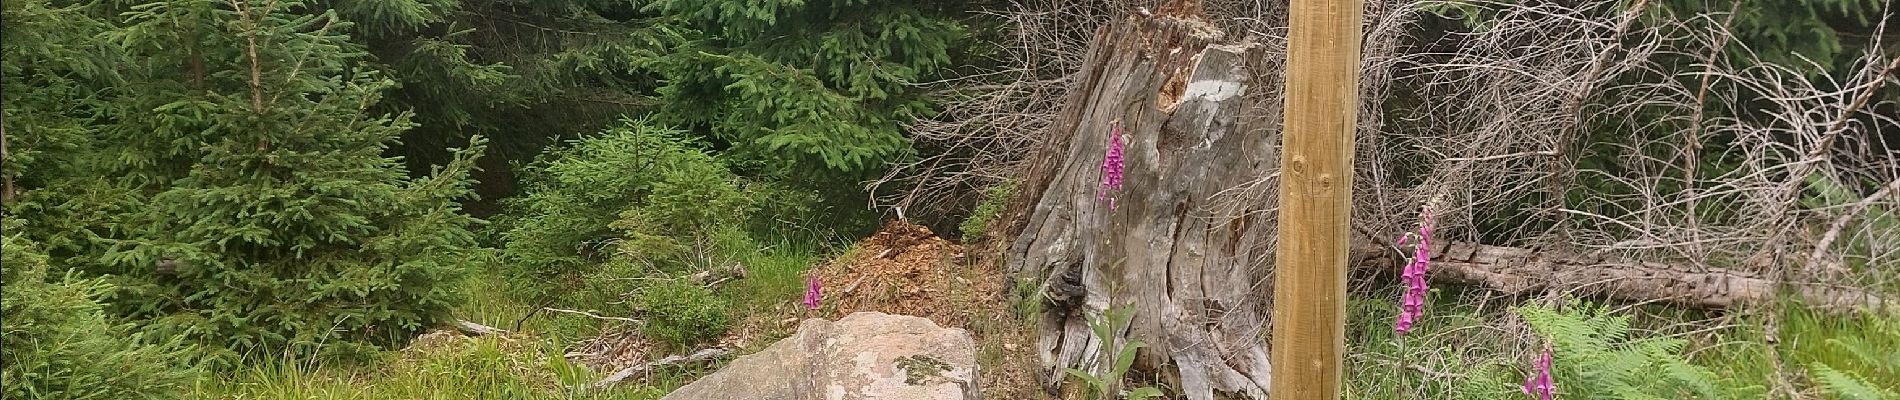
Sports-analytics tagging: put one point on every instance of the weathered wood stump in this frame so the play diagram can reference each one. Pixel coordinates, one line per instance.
(1188, 240)
(1169, 246)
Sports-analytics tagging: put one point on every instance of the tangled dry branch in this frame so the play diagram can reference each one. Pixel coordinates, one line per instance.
(1605, 130)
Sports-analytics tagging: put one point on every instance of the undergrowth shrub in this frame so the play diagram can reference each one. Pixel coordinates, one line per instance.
(59, 344)
(682, 314)
(635, 194)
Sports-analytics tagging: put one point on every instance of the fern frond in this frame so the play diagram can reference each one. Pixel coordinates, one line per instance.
(1847, 385)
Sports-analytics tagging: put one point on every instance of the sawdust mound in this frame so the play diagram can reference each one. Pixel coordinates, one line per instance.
(906, 269)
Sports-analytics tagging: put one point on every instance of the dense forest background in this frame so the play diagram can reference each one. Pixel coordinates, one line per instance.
(198, 188)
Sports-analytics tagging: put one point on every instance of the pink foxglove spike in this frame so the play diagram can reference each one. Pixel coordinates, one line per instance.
(1412, 305)
(1112, 164)
(1539, 384)
(813, 291)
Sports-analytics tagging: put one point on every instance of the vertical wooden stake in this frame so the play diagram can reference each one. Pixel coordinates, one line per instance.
(1309, 286)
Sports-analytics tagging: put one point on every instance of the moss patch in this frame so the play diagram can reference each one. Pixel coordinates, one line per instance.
(921, 369)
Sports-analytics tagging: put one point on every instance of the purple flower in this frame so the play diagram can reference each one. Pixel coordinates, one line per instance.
(1412, 305)
(1112, 164)
(813, 291)
(1538, 383)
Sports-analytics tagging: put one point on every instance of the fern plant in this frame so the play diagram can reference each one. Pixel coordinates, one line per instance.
(1848, 385)
(1598, 358)
(1115, 359)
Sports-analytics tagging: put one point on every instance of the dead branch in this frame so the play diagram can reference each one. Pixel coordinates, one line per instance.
(474, 329)
(1834, 230)
(624, 373)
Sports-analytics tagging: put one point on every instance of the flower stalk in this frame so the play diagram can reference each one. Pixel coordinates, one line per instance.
(1112, 165)
(814, 290)
(1412, 305)
(1539, 384)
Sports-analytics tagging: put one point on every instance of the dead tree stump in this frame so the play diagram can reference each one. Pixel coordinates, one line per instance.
(1187, 262)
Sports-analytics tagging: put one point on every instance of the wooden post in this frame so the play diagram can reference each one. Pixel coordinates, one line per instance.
(1309, 286)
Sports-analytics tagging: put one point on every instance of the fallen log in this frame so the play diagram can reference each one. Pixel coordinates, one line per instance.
(1518, 270)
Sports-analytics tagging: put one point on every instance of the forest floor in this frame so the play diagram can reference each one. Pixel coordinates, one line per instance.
(906, 269)
(901, 269)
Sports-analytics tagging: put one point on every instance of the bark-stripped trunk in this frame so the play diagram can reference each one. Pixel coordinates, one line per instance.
(1518, 270)
(1190, 266)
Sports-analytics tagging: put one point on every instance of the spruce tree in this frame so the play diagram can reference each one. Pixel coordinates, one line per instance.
(793, 84)
(238, 191)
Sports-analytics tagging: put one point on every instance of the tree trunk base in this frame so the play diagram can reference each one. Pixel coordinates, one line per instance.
(1175, 242)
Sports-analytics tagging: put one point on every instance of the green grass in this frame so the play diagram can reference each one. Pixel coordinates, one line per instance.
(1848, 343)
(1449, 354)
(1462, 352)
(774, 274)
(477, 368)
(526, 365)
(489, 301)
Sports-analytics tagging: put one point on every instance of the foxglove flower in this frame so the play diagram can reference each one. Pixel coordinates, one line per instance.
(1539, 384)
(1412, 305)
(813, 290)
(1112, 165)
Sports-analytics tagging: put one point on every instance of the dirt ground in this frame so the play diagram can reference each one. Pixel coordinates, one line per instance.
(906, 269)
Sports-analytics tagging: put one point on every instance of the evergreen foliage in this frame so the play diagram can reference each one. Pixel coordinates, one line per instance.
(777, 84)
(60, 344)
(52, 66)
(804, 84)
(1825, 34)
(250, 206)
(637, 193)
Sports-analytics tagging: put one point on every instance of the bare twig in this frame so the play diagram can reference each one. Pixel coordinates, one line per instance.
(1506, 156)
(624, 373)
(593, 315)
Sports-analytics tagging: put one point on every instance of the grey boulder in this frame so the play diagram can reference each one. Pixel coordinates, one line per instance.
(866, 355)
